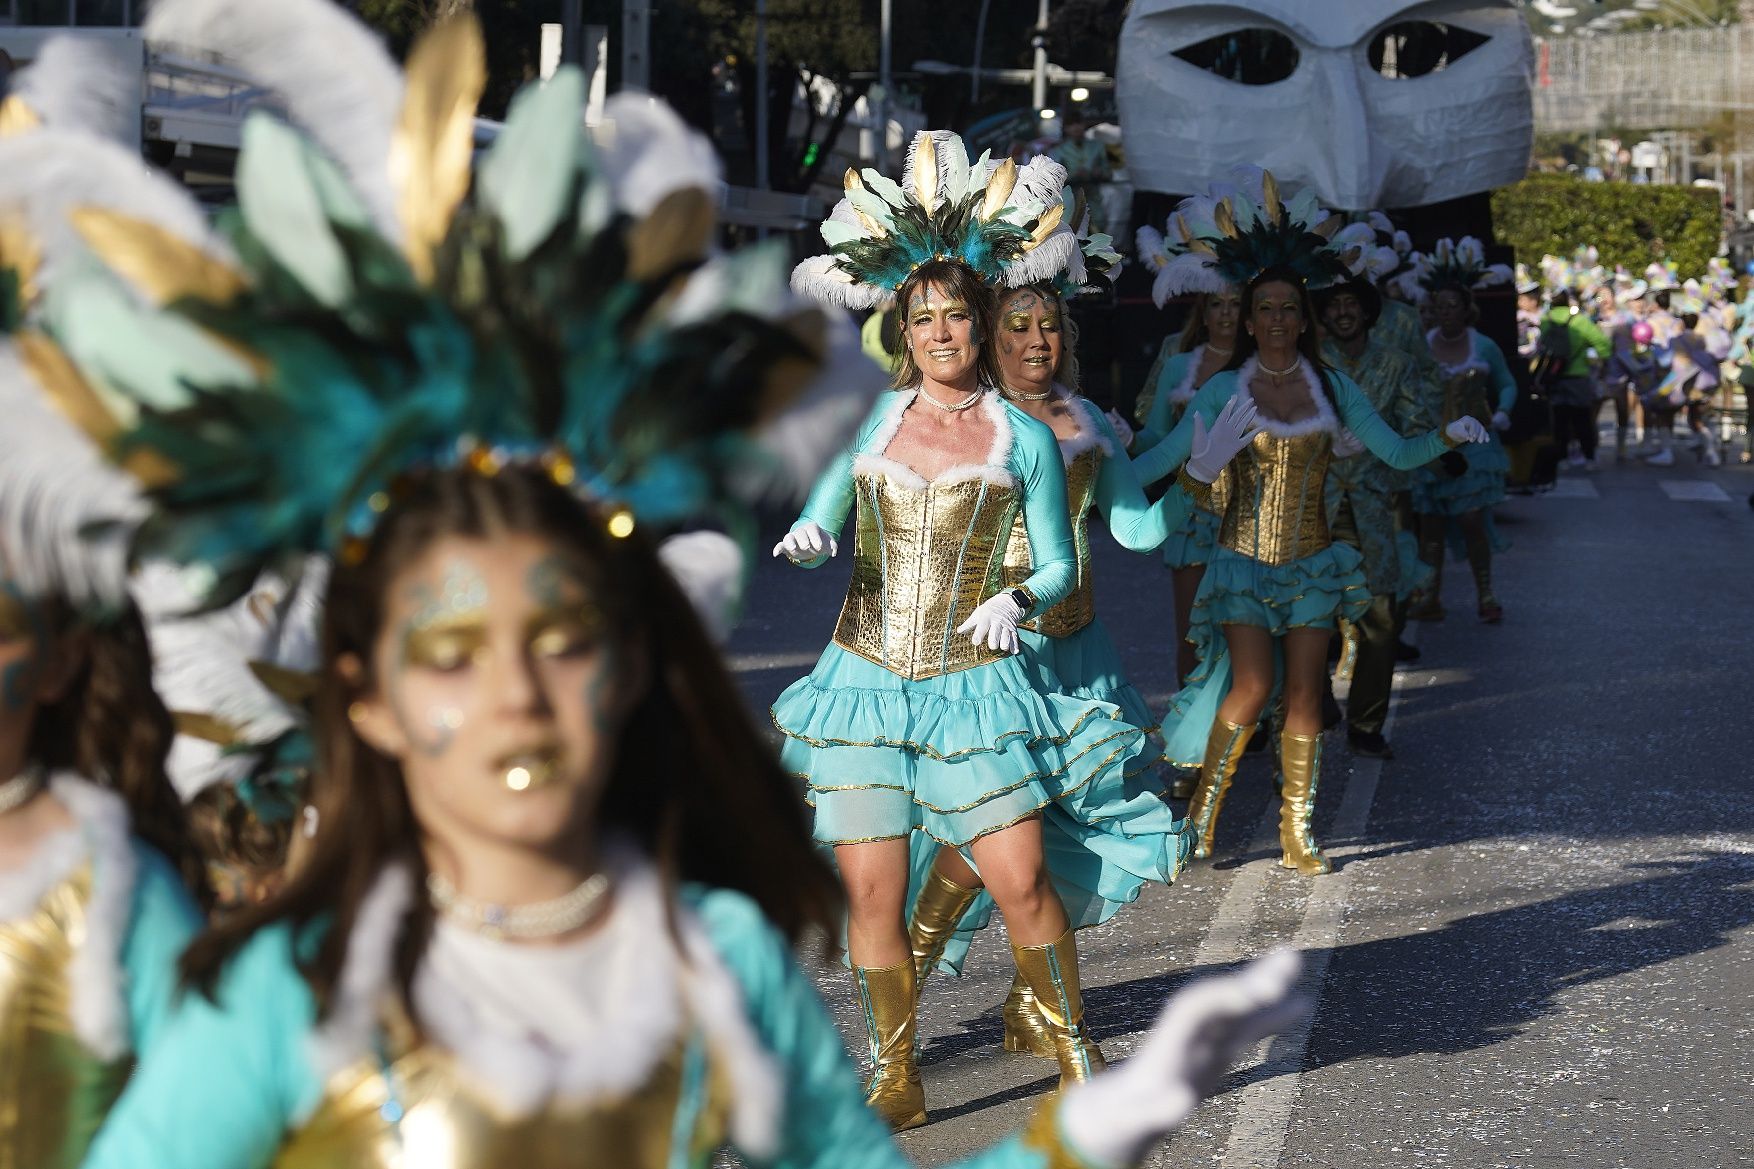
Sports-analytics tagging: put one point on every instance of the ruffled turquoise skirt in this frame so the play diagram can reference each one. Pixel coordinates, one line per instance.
(956, 756)
(1312, 592)
(1481, 485)
(1191, 544)
(1086, 664)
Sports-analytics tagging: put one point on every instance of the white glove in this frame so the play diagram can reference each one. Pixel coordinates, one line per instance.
(1467, 429)
(1500, 420)
(1123, 429)
(1203, 1030)
(805, 543)
(1233, 429)
(1346, 444)
(994, 624)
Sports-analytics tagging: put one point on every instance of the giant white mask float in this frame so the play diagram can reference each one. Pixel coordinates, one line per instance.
(1374, 103)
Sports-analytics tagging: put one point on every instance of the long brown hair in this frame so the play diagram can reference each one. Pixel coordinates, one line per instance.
(111, 727)
(1309, 345)
(693, 782)
(960, 281)
(1195, 333)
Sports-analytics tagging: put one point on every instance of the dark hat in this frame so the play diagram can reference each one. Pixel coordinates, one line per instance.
(1361, 287)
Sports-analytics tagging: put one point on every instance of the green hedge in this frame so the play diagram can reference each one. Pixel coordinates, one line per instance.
(1627, 224)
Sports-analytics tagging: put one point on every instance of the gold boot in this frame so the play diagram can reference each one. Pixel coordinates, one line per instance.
(1300, 762)
(940, 905)
(1052, 974)
(1224, 747)
(888, 998)
(1026, 1030)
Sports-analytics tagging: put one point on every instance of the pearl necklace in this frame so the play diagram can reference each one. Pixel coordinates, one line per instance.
(1018, 396)
(543, 919)
(1292, 368)
(17, 791)
(963, 405)
(1211, 348)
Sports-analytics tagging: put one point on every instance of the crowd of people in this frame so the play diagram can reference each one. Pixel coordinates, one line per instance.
(375, 791)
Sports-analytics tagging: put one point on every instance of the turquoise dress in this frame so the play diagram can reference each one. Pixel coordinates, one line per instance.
(1066, 650)
(90, 933)
(1190, 545)
(904, 724)
(1479, 386)
(715, 1039)
(1275, 565)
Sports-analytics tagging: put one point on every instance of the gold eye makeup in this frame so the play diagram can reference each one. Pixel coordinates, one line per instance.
(564, 632)
(444, 646)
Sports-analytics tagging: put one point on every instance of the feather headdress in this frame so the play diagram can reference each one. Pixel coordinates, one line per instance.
(1455, 264)
(1006, 222)
(366, 313)
(1236, 231)
(1099, 264)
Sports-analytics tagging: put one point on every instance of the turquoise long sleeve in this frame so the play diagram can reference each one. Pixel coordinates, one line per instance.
(1502, 381)
(1159, 422)
(1035, 459)
(831, 500)
(1379, 437)
(1136, 523)
(162, 923)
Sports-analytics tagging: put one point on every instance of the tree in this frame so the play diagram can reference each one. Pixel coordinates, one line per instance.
(512, 30)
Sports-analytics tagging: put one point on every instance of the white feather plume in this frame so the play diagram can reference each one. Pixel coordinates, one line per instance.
(328, 71)
(74, 84)
(819, 278)
(54, 487)
(708, 566)
(1190, 272)
(649, 152)
(45, 176)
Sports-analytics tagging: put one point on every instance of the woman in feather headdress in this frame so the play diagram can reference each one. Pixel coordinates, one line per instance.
(1065, 649)
(1277, 583)
(545, 916)
(93, 908)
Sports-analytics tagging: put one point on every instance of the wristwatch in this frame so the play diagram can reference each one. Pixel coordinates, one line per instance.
(1025, 602)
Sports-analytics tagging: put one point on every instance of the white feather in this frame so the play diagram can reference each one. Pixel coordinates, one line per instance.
(1056, 254)
(329, 72)
(54, 484)
(648, 152)
(820, 424)
(1153, 251)
(73, 84)
(821, 278)
(709, 568)
(43, 177)
(1188, 273)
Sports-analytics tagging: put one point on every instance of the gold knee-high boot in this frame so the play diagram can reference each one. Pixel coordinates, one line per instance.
(937, 910)
(1300, 763)
(889, 1000)
(1052, 974)
(1224, 747)
(1026, 1029)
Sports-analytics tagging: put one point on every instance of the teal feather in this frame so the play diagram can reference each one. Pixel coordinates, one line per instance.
(283, 203)
(528, 176)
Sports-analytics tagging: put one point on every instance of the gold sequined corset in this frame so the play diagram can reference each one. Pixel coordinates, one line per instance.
(1079, 607)
(923, 557)
(53, 1091)
(1277, 513)
(1464, 395)
(444, 1124)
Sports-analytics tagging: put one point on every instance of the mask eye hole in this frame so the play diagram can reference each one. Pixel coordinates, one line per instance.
(1419, 48)
(1248, 56)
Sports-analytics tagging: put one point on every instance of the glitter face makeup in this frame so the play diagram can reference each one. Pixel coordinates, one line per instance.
(1031, 344)
(942, 335)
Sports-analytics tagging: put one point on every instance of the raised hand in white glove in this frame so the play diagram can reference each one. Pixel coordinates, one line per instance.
(1467, 429)
(1500, 420)
(805, 543)
(1233, 429)
(1346, 444)
(1123, 429)
(1203, 1030)
(994, 624)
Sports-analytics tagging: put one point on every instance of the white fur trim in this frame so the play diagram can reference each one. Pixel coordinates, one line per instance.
(1184, 390)
(996, 470)
(1090, 433)
(656, 993)
(1323, 419)
(1473, 361)
(101, 833)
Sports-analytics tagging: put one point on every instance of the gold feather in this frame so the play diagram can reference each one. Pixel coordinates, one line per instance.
(926, 170)
(209, 728)
(677, 232)
(1201, 246)
(160, 265)
(1181, 228)
(1327, 227)
(1044, 226)
(19, 253)
(852, 181)
(293, 687)
(17, 118)
(433, 147)
(1270, 196)
(1224, 218)
(80, 403)
(999, 189)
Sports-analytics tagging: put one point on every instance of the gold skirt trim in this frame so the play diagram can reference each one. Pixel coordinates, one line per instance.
(927, 751)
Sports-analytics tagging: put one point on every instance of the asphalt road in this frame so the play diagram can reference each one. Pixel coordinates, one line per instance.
(1536, 947)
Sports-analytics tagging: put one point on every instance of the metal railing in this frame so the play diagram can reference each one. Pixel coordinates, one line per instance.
(1674, 79)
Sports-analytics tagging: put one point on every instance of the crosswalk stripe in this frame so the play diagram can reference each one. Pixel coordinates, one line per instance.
(1693, 491)
(1573, 489)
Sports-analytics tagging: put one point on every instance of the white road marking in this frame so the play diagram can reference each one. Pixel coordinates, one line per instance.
(1693, 491)
(1572, 488)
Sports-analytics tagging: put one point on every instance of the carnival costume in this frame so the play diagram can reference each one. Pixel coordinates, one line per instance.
(1480, 386)
(349, 324)
(1275, 566)
(1066, 651)
(92, 922)
(906, 724)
